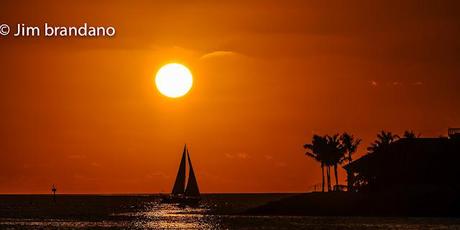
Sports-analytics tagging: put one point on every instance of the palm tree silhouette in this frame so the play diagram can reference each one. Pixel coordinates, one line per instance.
(350, 144)
(330, 151)
(316, 151)
(336, 152)
(410, 134)
(383, 139)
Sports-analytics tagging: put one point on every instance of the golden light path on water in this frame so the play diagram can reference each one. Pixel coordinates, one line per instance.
(172, 216)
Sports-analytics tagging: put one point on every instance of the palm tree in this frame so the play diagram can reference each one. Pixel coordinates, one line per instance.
(350, 144)
(409, 134)
(383, 139)
(315, 150)
(336, 153)
(330, 151)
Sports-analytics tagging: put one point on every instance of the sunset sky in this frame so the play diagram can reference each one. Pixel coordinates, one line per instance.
(84, 113)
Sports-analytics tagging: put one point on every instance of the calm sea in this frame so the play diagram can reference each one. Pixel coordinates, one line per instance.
(217, 211)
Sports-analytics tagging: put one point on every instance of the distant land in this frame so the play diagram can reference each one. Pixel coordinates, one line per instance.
(408, 176)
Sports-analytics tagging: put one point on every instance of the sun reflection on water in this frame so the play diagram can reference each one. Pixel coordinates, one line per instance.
(172, 216)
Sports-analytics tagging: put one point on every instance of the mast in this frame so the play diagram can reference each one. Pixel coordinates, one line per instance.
(179, 184)
(192, 184)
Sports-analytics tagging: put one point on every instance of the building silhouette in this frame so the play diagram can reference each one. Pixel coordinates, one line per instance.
(408, 164)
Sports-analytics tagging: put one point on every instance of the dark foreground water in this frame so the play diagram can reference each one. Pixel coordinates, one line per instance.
(146, 212)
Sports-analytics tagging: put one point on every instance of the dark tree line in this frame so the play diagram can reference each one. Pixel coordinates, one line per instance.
(331, 151)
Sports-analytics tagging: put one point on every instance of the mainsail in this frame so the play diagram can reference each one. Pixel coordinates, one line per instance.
(192, 186)
(180, 178)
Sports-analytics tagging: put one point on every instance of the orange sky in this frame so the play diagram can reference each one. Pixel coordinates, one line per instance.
(83, 113)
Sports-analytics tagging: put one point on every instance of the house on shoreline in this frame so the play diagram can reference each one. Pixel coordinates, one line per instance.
(409, 163)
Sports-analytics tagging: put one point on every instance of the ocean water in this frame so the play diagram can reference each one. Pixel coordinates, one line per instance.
(216, 211)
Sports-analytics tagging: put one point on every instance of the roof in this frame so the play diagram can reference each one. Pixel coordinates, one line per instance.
(420, 149)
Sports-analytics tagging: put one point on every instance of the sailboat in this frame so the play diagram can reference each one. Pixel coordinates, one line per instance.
(182, 194)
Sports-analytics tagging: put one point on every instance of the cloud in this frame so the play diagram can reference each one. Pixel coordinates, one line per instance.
(237, 155)
(76, 156)
(217, 54)
(374, 83)
(242, 155)
(268, 157)
(157, 174)
(281, 164)
(82, 177)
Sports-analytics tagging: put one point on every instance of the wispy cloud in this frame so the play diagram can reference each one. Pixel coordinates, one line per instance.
(76, 156)
(157, 174)
(281, 164)
(242, 155)
(268, 157)
(219, 53)
(237, 155)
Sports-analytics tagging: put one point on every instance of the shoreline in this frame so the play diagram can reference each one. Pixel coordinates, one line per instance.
(392, 203)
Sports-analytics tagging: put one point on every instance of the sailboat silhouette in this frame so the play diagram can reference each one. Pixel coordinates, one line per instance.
(180, 192)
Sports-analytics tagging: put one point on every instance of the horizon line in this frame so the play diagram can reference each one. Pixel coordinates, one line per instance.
(144, 194)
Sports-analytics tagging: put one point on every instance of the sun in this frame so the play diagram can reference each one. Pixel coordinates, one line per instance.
(174, 80)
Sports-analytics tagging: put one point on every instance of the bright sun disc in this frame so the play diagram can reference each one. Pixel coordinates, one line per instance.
(174, 80)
